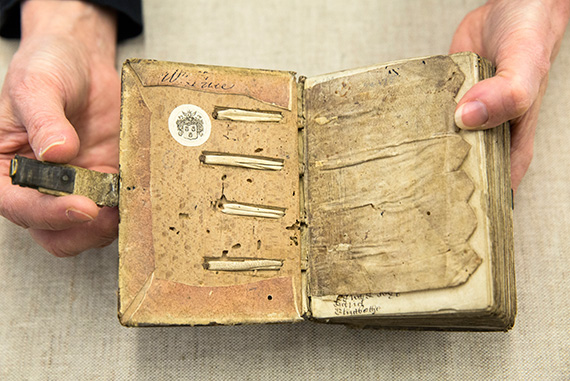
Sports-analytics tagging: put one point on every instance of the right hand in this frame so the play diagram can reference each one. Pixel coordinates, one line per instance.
(522, 38)
(60, 102)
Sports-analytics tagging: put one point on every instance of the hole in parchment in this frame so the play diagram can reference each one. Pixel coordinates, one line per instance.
(269, 297)
(236, 246)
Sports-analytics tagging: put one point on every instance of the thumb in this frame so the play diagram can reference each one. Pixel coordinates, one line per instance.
(506, 96)
(40, 108)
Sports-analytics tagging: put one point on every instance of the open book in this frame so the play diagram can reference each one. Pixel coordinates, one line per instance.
(247, 196)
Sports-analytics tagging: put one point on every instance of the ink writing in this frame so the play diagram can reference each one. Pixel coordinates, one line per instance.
(366, 304)
(203, 82)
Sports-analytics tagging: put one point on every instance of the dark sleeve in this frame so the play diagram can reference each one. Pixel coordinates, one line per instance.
(129, 17)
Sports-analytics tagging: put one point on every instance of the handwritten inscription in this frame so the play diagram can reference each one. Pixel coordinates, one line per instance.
(366, 304)
(180, 77)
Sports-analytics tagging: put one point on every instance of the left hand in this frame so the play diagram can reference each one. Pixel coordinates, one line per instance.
(60, 102)
(521, 38)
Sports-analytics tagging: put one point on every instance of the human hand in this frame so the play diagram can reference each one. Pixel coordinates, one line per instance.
(60, 102)
(521, 38)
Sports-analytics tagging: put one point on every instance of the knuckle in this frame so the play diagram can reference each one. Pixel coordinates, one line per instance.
(29, 96)
(60, 252)
(5, 111)
(8, 211)
(21, 222)
(107, 235)
(542, 64)
(107, 239)
(47, 224)
(527, 157)
(522, 157)
(41, 119)
(520, 97)
(27, 216)
(21, 90)
(56, 244)
(55, 247)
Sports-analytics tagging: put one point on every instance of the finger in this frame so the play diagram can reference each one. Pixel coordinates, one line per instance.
(522, 152)
(31, 209)
(522, 140)
(39, 105)
(70, 242)
(507, 95)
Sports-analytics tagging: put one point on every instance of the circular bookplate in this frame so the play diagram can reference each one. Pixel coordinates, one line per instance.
(189, 125)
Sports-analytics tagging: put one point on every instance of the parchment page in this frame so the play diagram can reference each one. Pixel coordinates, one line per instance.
(392, 186)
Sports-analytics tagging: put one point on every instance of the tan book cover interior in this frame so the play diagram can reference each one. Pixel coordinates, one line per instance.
(349, 194)
(172, 219)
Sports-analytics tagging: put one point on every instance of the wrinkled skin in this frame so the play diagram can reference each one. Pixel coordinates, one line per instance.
(60, 102)
(522, 38)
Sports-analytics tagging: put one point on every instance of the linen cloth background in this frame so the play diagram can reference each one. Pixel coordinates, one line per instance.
(58, 316)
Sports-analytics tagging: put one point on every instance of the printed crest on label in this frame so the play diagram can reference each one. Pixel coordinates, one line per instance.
(189, 125)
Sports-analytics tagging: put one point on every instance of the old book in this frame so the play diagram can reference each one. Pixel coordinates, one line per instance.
(248, 196)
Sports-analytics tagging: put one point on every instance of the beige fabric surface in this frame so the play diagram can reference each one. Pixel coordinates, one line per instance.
(58, 316)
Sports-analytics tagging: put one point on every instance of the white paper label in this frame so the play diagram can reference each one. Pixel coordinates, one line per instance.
(189, 125)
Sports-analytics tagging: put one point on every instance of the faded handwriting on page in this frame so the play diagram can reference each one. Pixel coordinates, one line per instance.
(388, 200)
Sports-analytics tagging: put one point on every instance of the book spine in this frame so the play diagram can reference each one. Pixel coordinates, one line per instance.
(303, 193)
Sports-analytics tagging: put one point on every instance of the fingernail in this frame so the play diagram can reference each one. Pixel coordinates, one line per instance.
(75, 215)
(51, 142)
(471, 115)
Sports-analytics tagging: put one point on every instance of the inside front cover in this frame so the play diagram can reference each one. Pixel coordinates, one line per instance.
(209, 195)
(394, 190)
